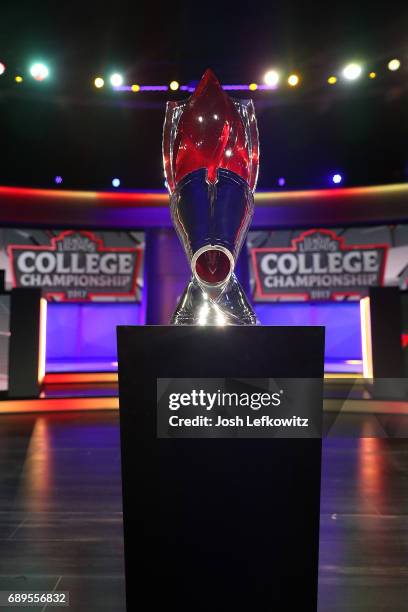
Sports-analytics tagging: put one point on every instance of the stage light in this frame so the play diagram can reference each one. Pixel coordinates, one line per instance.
(115, 182)
(58, 180)
(135, 87)
(39, 71)
(253, 87)
(18, 79)
(99, 82)
(116, 79)
(281, 181)
(271, 78)
(337, 178)
(351, 72)
(394, 65)
(2, 68)
(372, 75)
(293, 80)
(174, 85)
(332, 80)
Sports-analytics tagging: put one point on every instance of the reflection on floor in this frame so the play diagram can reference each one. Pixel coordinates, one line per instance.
(61, 520)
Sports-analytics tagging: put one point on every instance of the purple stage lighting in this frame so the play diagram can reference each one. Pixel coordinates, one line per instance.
(337, 178)
(58, 180)
(281, 181)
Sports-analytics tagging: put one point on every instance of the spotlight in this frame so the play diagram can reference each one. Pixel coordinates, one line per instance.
(116, 79)
(332, 80)
(271, 78)
(58, 180)
(372, 75)
(115, 182)
(281, 181)
(2, 68)
(293, 80)
(18, 79)
(99, 82)
(351, 72)
(253, 87)
(39, 71)
(174, 85)
(394, 65)
(337, 178)
(135, 87)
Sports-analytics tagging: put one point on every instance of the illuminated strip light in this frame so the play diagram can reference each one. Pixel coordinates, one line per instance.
(190, 88)
(66, 404)
(235, 87)
(142, 88)
(42, 344)
(337, 376)
(366, 341)
(58, 378)
(375, 190)
(153, 88)
(145, 197)
(140, 196)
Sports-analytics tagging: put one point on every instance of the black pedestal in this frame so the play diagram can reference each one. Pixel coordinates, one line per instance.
(214, 524)
(25, 354)
(386, 329)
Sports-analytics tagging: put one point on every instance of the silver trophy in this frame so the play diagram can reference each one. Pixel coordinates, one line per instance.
(211, 159)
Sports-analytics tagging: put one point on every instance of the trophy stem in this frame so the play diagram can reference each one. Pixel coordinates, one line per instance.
(202, 305)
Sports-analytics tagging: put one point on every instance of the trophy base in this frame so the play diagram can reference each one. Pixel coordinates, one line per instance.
(225, 305)
(218, 524)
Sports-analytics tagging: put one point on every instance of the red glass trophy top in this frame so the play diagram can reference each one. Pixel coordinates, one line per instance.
(210, 134)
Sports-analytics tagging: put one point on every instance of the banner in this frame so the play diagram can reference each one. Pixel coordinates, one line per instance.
(74, 265)
(327, 264)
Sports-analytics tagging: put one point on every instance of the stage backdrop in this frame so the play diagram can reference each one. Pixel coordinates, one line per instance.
(317, 277)
(93, 281)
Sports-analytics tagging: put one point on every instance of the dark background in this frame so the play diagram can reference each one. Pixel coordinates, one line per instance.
(65, 126)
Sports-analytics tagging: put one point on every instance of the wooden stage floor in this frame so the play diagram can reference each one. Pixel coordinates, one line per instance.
(61, 519)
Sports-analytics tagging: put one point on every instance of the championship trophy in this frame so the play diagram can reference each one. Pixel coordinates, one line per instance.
(198, 482)
(211, 159)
